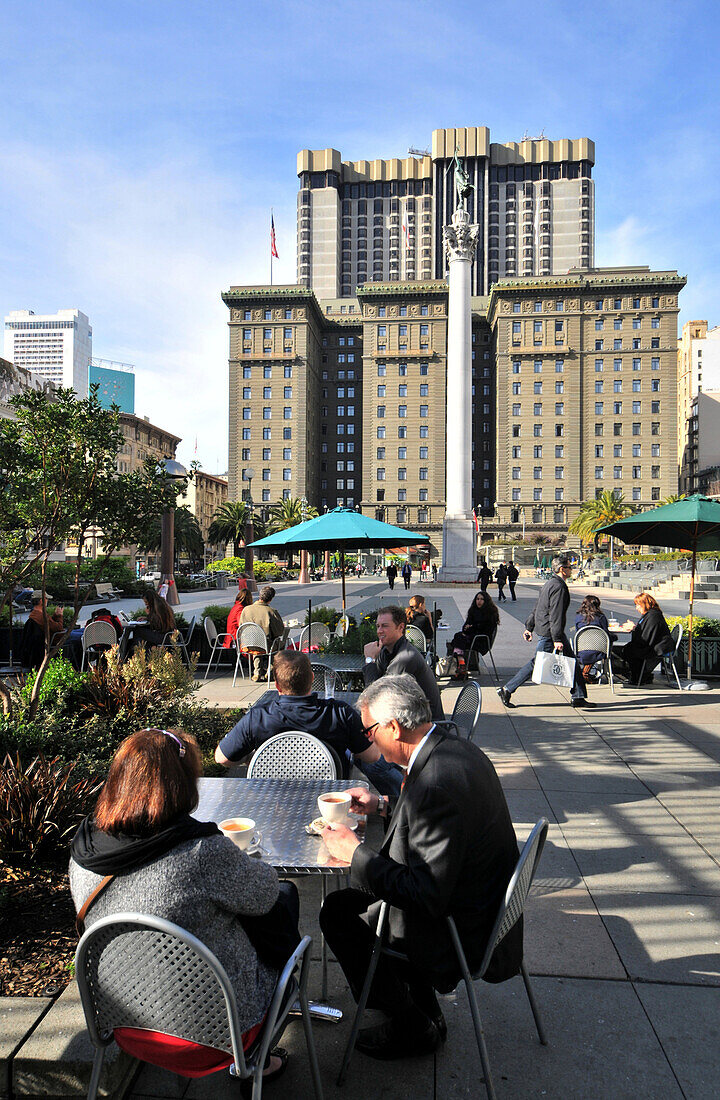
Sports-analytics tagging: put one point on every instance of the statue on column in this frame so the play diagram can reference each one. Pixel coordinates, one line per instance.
(463, 187)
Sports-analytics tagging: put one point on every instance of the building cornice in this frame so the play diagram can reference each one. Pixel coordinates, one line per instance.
(389, 290)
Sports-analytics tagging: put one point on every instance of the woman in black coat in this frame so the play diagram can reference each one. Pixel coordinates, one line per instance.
(589, 614)
(418, 615)
(649, 640)
(482, 618)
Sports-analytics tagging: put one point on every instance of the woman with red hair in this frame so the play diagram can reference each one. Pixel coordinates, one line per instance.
(649, 640)
(159, 860)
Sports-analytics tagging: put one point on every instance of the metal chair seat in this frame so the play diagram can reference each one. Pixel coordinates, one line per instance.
(175, 639)
(667, 660)
(250, 636)
(475, 644)
(323, 678)
(97, 638)
(293, 755)
(416, 637)
(466, 711)
(316, 634)
(596, 640)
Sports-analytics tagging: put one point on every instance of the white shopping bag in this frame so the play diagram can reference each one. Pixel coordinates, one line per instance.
(554, 668)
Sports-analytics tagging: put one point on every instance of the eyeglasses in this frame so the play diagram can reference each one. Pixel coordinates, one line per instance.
(369, 729)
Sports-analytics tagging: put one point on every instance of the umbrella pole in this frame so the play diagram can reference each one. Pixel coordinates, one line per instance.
(692, 597)
(342, 577)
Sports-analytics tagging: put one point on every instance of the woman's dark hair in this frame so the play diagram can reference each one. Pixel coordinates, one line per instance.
(589, 608)
(160, 613)
(149, 782)
(416, 607)
(244, 597)
(492, 612)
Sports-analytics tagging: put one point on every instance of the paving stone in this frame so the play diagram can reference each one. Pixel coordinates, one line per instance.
(631, 813)
(18, 1016)
(657, 864)
(565, 935)
(675, 1013)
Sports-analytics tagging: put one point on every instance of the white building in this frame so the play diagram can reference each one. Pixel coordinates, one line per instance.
(57, 346)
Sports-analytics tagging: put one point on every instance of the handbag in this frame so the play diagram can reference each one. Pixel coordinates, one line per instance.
(554, 668)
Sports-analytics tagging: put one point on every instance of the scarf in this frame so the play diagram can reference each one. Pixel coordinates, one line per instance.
(105, 854)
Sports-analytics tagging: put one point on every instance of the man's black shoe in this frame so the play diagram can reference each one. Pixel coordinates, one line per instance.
(441, 1024)
(582, 703)
(505, 697)
(388, 1041)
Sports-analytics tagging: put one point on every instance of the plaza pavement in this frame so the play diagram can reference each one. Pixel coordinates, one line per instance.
(623, 923)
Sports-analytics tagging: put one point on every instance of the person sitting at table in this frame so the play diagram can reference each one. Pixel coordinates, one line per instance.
(39, 625)
(269, 621)
(449, 848)
(165, 863)
(160, 621)
(242, 600)
(649, 641)
(482, 618)
(589, 614)
(392, 654)
(417, 615)
(297, 707)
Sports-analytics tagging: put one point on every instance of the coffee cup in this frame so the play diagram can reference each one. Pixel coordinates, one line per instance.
(334, 807)
(242, 831)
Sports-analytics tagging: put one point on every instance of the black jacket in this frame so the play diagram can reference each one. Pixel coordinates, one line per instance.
(512, 572)
(502, 575)
(450, 848)
(650, 638)
(548, 618)
(405, 658)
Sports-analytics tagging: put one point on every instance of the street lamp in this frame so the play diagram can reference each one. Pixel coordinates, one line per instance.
(522, 516)
(303, 577)
(248, 475)
(174, 471)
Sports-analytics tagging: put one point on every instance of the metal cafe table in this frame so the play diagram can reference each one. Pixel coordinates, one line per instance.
(281, 808)
(348, 666)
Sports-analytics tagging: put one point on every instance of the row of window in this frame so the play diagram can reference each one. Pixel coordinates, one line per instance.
(423, 473)
(267, 371)
(266, 413)
(618, 407)
(559, 306)
(403, 390)
(401, 411)
(267, 315)
(618, 450)
(266, 433)
(402, 369)
(402, 494)
(267, 392)
(402, 431)
(618, 472)
(402, 452)
(266, 454)
(636, 385)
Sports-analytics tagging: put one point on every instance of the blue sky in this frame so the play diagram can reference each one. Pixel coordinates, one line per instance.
(144, 142)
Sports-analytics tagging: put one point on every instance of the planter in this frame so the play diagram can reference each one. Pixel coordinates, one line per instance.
(706, 656)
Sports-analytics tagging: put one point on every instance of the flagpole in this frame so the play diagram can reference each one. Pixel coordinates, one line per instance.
(271, 251)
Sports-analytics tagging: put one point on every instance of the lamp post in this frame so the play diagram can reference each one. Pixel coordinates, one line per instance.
(248, 475)
(303, 577)
(174, 471)
(522, 516)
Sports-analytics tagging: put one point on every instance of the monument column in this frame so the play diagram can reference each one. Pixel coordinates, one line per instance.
(459, 537)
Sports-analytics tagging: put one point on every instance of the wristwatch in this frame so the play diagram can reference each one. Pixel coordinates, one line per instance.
(369, 661)
(382, 803)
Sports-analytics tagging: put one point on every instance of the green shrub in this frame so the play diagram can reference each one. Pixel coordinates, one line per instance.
(61, 681)
(702, 628)
(41, 805)
(218, 614)
(227, 565)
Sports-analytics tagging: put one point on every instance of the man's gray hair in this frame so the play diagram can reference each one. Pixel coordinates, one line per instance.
(266, 594)
(398, 697)
(562, 561)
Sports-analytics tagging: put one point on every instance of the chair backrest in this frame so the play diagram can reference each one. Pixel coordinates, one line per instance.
(416, 637)
(98, 633)
(321, 675)
(467, 708)
(342, 626)
(142, 971)
(677, 635)
(593, 639)
(251, 636)
(517, 891)
(190, 630)
(211, 631)
(293, 755)
(314, 634)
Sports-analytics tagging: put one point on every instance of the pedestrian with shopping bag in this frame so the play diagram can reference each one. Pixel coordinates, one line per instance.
(548, 623)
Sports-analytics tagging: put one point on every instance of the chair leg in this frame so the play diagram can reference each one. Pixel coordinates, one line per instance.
(497, 677)
(209, 664)
(533, 1005)
(374, 959)
(95, 1074)
(610, 675)
(238, 665)
(310, 1043)
(323, 946)
(479, 1035)
(674, 668)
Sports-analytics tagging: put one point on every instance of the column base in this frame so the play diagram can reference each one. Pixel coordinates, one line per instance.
(459, 550)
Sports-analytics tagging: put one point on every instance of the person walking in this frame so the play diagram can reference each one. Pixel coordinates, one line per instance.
(406, 572)
(391, 572)
(512, 576)
(484, 576)
(434, 571)
(501, 577)
(548, 622)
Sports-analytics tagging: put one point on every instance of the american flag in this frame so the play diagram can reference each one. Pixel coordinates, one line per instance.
(273, 245)
(477, 525)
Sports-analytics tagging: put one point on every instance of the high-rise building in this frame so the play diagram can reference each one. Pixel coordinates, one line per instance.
(115, 382)
(698, 368)
(55, 346)
(382, 220)
(343, 401)
(700, 455)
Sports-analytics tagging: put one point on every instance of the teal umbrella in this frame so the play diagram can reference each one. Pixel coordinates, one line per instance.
(340, 530)
(692, 524)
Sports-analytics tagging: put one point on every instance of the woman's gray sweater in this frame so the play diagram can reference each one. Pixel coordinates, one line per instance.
(200, 885)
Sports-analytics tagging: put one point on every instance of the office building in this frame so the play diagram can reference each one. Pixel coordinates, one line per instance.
(14, 381)
(143, 440)
(57, 347)
(698, 366)
(700, 457)
(382, 220)
(115, 382)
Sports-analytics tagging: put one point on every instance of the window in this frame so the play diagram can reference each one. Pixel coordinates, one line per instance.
(265, 454)
(537, 387)
(423, 473)
(559, 387)
(402, 473)
(402, 390)
(559, 408)
(599, 450)
(599, 429)
(423, 431)
(599, 408)
(423, 369)
(267, 372)
(559, 452)
(516, 431)
(537, 408)
(655, 406)
(381, 311)
(246, 393)
(286, 474)
(617, 472)
(637, 450)
(515, 388)
(287, 414)
(266, 475)
(287, 433)
(537, 366)
(246, 414)
(655, 322)
(516, 410)
(381, 411)
(516, 368)
(637, 385)
(402, 411)
(559, 473)
(559, 306)
(599, 325)
(246, 372)
(636, 493)
(617, 408)
(537, 473)
(559, 494)
(599, 385)
(403, 311)
(636, 364)
(516, 473)
(537, 429)
(599, 366)
(537, 494)
(246, 433)
(637, 322)
(381, 473)
(381, 432)
(265, 495)
(516, 307)
(655, 492)
(617, 385)
(267, 334)
(402, 431)
(516, 494)
(287, 392)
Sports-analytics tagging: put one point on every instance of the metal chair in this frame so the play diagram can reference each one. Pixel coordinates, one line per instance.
(667, 660)
(216, 642)
(416, 637)
(509, 913)
(316, 634)
(293, 755)
(97, 638)
(342, 626)
(252, 636)
(175, 639)
(138, 971)
(322, 678)
(475, 648)
(595, 639)
(466, 711)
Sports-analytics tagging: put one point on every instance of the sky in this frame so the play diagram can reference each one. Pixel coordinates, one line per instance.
(145, 141)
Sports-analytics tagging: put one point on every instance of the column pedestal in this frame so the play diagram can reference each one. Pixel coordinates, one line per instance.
(459, 553)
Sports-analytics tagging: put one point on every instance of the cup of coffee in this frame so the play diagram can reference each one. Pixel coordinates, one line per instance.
(242, 831)
(334, 807)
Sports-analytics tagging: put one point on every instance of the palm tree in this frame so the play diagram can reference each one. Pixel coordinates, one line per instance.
(288, 513)
(673, 498)
(594, 514)
(229, 523)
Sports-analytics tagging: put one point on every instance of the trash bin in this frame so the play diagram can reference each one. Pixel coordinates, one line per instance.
(221, 580)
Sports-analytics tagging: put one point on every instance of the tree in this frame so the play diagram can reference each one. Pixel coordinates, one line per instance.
(188, 536)
(594, 514)
(673, 498)
(288, 513)
(58, 483)
(229, 523)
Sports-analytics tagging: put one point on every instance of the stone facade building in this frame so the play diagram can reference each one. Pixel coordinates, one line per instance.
(204, 496)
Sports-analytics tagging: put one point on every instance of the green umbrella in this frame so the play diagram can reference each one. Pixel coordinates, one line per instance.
(691, 524)
(537, 559)
(342, 529)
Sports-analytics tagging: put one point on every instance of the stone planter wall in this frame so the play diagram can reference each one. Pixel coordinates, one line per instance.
(706, 656)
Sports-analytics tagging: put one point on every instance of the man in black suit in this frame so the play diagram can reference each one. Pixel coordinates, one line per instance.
(392, 654)
(449, 849)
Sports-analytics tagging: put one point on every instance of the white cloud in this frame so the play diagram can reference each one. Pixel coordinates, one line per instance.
(625, 243)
